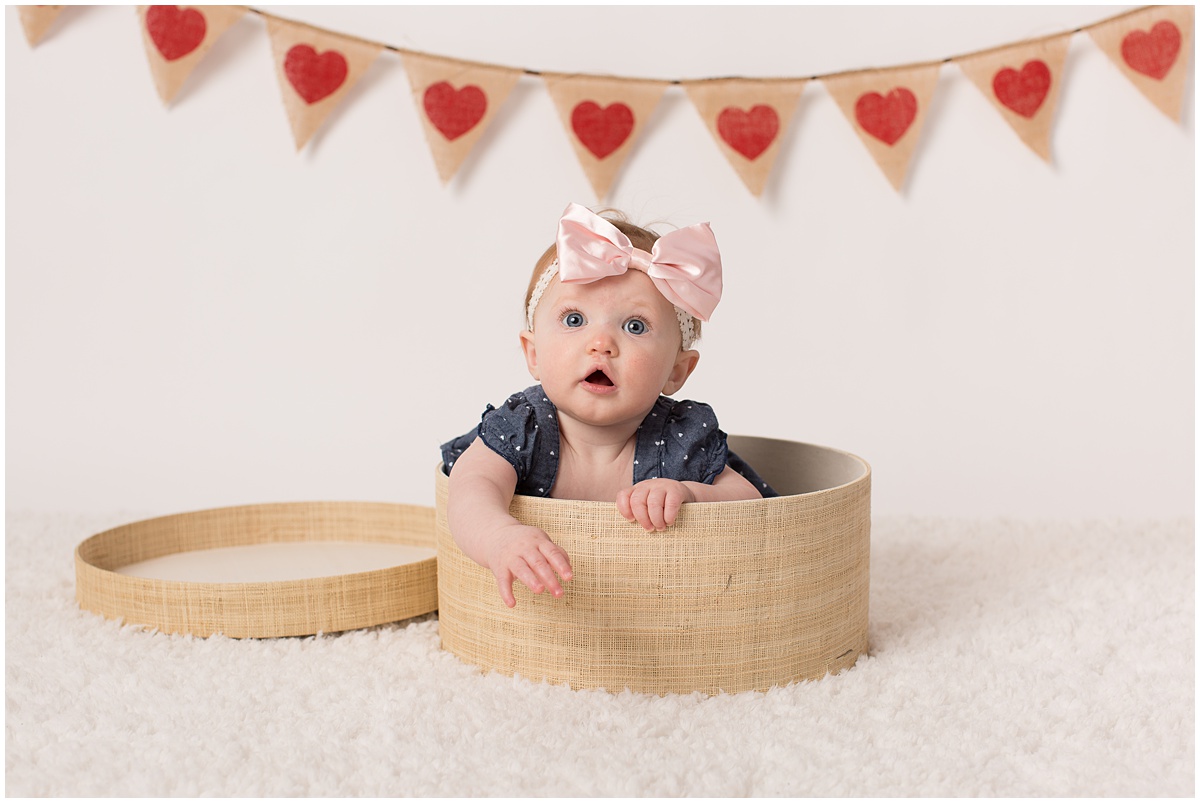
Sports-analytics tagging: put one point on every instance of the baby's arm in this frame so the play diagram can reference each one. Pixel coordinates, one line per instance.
(654, 504)
(481, 489)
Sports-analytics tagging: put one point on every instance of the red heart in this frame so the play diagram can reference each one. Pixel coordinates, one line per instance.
(1023, 91)
(175, 33)
(454, 113)
(888, 118)
(314, 77)
(1152, 53)
(602, 131)
(748, 133)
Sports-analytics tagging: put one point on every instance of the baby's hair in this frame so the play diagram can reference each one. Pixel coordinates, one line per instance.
(641, 238)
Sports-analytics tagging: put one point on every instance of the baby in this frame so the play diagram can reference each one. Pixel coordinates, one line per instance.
(611, 316)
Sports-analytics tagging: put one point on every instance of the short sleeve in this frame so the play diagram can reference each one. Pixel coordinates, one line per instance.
(742, 467)
(523, 430)
(510, 431)
(680, 440)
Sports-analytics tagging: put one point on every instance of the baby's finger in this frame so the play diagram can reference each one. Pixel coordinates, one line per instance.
(671, 508)
(545, 573)
(504, 581)
(526, 575)
(623, 503)
(655, 504)
(637, 502)
(558, 559)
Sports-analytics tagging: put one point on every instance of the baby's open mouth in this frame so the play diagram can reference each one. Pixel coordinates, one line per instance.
(598, 377)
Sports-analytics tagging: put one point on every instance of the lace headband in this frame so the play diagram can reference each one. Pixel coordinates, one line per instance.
(687, 329)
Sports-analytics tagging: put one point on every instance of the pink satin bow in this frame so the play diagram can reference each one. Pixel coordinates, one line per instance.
(685, 265)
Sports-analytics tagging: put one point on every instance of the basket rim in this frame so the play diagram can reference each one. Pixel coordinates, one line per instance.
(111, 594)
(865, 477)
(866, 467)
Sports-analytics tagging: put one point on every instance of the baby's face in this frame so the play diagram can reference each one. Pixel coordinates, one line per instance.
(605, 350)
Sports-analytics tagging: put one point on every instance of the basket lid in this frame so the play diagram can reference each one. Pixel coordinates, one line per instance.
(379, 566)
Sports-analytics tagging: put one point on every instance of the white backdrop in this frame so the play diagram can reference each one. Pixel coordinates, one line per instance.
(198, 316)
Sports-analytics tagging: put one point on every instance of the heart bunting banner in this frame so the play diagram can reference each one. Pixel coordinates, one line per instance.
(456, 101)
(603, 118)
(1023, 83)
(178, 37)
(315, 69)
(747, 119)
(36, 20)
(1151, 47)
(887, 109)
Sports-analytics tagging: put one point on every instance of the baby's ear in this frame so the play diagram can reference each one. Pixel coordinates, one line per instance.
(685, 363)
(530, 350)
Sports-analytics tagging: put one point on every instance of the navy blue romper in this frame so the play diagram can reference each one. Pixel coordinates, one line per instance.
(679, 440)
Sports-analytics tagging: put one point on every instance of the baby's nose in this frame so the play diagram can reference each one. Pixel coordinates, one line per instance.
(602, 342)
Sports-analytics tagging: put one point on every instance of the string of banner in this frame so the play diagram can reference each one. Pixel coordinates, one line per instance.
(603, 115)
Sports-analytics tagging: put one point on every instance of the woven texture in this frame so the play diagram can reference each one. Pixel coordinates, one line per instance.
(735, 596)
(268, 609)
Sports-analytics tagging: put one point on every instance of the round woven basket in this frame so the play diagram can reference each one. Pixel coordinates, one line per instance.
(735, 596)
(260, 609)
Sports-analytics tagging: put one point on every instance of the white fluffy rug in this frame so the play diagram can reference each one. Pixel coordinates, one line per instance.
(1007, 658)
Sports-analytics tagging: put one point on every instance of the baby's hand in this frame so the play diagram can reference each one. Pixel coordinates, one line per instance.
(519, 552)
(654, 504)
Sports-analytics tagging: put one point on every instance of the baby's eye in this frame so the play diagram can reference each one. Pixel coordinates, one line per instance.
(635, 326)
(573, 320)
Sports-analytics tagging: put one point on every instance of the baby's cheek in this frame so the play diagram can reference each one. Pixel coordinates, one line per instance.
(652, 365)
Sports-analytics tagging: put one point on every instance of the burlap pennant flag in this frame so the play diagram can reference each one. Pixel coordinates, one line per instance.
(887, 109)
(315, 69)
(1151, 47)
(178, 37)
(603, 118)
(747, 118)
(36, 20)
(456, 101)
(1023, 82)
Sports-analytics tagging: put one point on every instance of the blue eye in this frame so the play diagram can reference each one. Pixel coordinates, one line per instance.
(573, 320)
(635, 326)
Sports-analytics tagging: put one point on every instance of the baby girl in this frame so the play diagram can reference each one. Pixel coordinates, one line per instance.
(611, 317)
